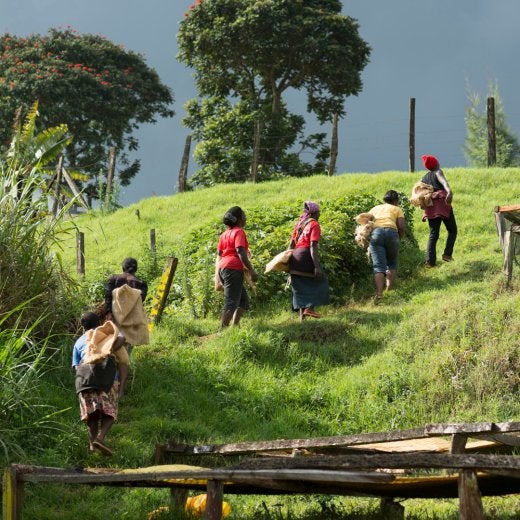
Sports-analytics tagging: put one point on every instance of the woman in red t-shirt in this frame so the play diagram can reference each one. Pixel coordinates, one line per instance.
(232, 261)
(310, 286)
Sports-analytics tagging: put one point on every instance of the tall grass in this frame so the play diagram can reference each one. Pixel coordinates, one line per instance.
(25, 417)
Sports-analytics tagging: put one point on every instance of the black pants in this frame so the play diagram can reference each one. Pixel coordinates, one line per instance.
(435, 226)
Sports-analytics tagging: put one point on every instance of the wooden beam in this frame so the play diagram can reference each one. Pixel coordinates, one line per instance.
(485, 462)
(501, 209)
(470, 501)
(290, 444)
(215, 494)
(12, 495)
(74, 188)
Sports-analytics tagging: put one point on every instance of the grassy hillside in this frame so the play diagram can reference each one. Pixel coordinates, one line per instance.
(442, 347)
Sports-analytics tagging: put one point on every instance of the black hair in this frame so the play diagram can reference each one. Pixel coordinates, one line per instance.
(90, 320)
(129, 265)
(232, 216)
(391, 196)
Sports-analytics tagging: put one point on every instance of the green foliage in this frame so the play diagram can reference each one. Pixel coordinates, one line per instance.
(25, 419)
(101, 91)
(476, 145)
(253, 52)
(30, 266)
(268, 233)
(225, 135)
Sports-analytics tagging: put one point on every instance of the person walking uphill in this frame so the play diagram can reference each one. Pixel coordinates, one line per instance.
(388, 229)
(124, 297)
(310, 286)
(232, 262)
(440, 212)
(98, 386)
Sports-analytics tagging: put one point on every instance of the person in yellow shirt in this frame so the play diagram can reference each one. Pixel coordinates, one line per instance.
(388, 229)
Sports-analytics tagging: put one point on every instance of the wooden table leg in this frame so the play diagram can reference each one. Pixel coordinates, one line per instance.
(215, 492)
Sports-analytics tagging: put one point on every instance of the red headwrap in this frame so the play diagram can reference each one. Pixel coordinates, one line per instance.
(430, 162)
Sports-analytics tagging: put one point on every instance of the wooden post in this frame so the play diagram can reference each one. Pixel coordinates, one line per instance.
(178, 498)
(333, 145)
(56, 203)
(80, 253)
(183, 171)
(215, 493)
(256, 151)
(110, 173)
(12, 495)
(411, 138)
(74, 188)
(163, 289)
(492, 142)
(153, 246)
(470, 501)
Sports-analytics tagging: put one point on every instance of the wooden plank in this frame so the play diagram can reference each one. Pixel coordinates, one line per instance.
(12, 495)
(187, 476)
(74, 188)
(502, 438)
(316, 443)
(513, 207)
(241, 448)
(470, 501)
(215, 494)
(449, 429)
(388, 461)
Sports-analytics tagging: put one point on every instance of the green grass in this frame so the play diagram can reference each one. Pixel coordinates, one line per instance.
(442, 347)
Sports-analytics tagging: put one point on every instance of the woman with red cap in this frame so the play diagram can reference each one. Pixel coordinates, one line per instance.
(440, 212)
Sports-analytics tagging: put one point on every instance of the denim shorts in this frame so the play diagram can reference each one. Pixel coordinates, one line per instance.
(384, 249)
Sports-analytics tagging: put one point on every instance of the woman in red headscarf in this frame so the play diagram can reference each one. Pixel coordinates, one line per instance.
(310, 286)
(440, 212)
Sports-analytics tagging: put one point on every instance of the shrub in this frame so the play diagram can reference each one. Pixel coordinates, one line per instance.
(268, 233)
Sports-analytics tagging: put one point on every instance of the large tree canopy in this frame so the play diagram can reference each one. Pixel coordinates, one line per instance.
(255, 50)
(99, 89)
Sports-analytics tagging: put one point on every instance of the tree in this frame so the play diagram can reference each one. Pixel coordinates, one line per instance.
(225, 133)
(101, 91)
(256, 50)
(476, 145)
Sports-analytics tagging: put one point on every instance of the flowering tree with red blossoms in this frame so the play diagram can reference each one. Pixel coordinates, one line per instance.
(99, 89)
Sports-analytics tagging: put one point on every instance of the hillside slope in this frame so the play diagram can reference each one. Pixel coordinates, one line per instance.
(442, 347)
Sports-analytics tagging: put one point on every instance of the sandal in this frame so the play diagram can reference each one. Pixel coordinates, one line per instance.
(377, 299)
(312, 313)
(447, 258)
(103, 448)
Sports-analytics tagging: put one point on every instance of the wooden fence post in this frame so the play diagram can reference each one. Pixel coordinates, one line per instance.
(183, 171)
(80, 253)
(256, 150)
(470, 501)
(153, 246)
(492, 138)
(110, 174)
(333, 145)
(215, 493)
(12, 495)
(411, 137)
(56, 203)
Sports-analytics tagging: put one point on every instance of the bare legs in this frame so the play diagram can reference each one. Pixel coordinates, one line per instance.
(384, 281)
(98, 425)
